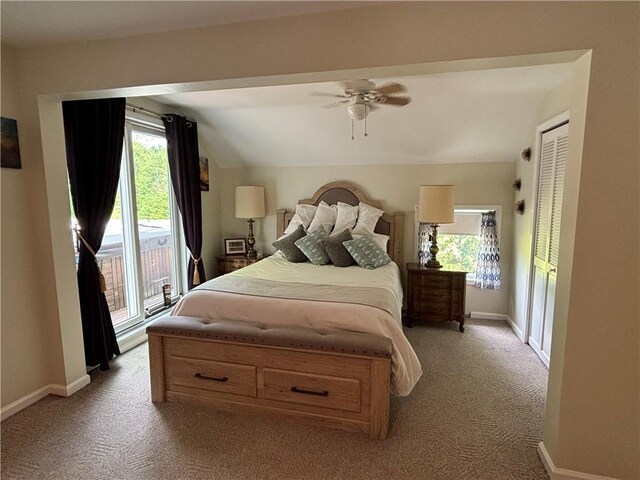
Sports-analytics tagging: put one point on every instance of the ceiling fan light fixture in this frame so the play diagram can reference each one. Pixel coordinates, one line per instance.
(358, 111)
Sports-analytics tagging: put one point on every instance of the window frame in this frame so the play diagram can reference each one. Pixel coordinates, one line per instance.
(131, 236)
(466, 208)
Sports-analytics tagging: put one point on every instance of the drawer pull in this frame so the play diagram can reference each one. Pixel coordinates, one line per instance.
(324, 393)
(215, 379)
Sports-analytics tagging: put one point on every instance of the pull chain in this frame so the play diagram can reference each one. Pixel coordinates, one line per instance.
(365, 123)
(352, 137)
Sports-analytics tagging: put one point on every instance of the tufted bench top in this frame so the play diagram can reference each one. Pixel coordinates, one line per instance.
(337, 341)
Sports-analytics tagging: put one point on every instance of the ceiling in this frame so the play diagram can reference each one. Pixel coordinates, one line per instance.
(473, 116)
(26, 23)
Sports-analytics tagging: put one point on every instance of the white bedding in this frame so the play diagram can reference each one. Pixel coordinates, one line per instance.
(405, 366)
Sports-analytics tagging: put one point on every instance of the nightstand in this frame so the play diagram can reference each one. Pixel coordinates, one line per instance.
(230, 263)
(435, 295)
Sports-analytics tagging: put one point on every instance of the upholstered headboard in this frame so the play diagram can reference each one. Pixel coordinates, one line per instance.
(347, 192)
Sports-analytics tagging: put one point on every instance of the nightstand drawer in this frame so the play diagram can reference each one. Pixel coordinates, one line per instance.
(434, 281)
(230, 263)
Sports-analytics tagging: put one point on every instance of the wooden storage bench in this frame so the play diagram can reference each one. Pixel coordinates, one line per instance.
(326, 377)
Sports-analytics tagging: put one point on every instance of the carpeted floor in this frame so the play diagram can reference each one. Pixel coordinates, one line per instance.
(476, 414)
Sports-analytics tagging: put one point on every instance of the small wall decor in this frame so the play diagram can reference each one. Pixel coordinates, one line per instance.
(235, 246)
(10, 155)
(204, 174)
(519, 207)
(517, 185)
(526, 154)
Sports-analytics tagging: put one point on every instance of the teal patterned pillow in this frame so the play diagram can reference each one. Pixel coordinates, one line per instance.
(366, 252)
(310, 246)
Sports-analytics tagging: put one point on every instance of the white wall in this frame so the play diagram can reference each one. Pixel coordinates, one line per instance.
(592, 413)
(396, 186)
(556, 102)
(27, 291)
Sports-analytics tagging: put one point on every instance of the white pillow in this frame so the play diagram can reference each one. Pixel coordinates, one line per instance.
(346, 219)
(380, 239)
(303, 216)
(368, 217)
(325, 216)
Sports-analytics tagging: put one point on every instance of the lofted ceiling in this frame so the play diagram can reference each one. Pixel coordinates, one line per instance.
(26, 23)
(471, 116)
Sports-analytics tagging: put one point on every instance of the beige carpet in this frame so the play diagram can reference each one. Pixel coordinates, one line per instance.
(476, 414)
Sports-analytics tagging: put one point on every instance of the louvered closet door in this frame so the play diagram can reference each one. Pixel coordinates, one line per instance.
(552, 163)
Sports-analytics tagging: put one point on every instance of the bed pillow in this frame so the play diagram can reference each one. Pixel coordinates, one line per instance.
(325, 216)
(287, 246)
(303, 216)
(368, 217)
(381, 240)
(310, 246)
(366, 252)
(346, 218)
(336, 251)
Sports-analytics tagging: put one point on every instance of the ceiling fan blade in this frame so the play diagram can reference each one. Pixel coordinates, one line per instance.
(336, 104)
(360, 85)
(323, 94)
(391, 87)
(397, 101)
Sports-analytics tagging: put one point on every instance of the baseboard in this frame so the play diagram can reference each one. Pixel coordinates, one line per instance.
(132, 340)
(39, 394)
(488, 316)
(516, 329)
(556, 473)
(24, 402)
(73, 387)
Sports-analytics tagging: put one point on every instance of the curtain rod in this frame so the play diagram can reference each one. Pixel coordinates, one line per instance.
(138, 109)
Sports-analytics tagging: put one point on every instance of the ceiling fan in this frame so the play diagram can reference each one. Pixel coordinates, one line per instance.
(364, 96)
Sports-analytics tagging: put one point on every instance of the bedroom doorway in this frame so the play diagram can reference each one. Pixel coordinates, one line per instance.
(551, 158)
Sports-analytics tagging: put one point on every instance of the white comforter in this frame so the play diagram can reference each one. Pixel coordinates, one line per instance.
(405, 366)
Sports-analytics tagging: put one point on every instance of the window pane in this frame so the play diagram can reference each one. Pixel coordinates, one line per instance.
(458, 252)
(112, 263)
(154, 216)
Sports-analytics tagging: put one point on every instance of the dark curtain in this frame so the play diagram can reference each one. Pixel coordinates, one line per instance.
(94, 135)
(184, 165)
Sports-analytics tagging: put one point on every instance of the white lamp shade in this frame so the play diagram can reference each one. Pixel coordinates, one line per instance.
(250, 202)
(436, 204)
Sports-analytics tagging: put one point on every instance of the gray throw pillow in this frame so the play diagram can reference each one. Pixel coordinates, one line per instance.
(367, 253)
(336, 251)
(287, 246)
(310, 246)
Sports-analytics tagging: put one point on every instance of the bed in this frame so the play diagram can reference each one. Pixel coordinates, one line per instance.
(321, 344)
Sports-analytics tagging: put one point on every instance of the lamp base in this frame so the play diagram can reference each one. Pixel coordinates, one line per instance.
(251, 241)
(433, 250)
(433, 264)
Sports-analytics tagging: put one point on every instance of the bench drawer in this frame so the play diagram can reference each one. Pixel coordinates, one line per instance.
(319, 390)
(208, 375)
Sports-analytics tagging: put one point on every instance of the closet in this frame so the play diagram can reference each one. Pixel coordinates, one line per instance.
(548, 217)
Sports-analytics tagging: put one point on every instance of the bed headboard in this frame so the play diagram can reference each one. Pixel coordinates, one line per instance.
(347, 192)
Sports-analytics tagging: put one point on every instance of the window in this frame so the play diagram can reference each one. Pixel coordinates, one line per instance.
(459, 242)
(142, 245)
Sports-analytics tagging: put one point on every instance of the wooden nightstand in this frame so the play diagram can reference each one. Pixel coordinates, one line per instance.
(230, 263)
(435, 295)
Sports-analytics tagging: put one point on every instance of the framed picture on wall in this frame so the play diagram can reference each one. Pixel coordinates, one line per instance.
(235, 246)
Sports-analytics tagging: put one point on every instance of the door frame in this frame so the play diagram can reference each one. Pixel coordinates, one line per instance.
(542, 128)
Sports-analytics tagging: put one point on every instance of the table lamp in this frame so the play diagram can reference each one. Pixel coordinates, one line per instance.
(250, 205)
(435, 207)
